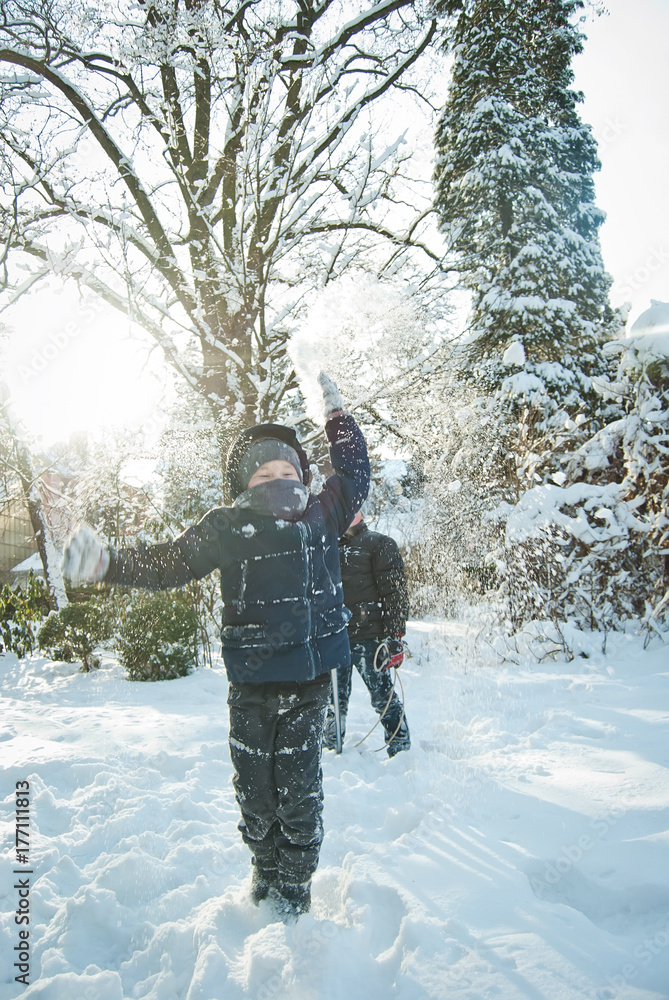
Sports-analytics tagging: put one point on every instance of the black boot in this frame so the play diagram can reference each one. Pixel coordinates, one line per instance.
(262, 882)
(400, 741)
(292, 899)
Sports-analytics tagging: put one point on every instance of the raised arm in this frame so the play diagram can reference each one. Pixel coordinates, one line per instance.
(346, 491)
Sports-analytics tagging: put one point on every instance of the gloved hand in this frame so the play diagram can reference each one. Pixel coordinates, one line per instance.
(332, 401)
(389, 653)
(85, 557)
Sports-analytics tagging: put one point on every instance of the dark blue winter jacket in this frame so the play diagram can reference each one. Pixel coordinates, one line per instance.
(283, 612)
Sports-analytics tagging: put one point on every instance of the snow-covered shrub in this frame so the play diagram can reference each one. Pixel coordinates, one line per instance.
(493, 445)
(73, 632)
(597, 550)
(536, 640)
(157, 636)
(19, 610)
(570, 555)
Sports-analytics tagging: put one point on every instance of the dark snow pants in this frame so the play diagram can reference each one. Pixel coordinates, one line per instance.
(378, 683)
(276, 732)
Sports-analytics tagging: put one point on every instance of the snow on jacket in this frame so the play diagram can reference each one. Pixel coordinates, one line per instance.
(283, 612)
(375, 589)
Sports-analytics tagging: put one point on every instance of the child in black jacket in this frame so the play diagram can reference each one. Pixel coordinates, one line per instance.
(284, 627)
(375, 591)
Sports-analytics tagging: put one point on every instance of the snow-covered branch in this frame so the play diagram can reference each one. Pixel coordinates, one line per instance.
(200, 153)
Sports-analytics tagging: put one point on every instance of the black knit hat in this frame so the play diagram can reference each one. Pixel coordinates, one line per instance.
(261, 432)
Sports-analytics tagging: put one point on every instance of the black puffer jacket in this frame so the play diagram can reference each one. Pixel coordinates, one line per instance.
(375, 589)
(283, 613)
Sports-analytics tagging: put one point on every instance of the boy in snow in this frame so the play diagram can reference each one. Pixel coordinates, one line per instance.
(284, 627)
(375, 591)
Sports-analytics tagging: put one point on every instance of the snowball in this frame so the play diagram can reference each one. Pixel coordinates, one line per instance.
(455, 486)
(514, 354)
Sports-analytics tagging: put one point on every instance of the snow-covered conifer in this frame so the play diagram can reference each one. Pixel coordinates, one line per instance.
(515, 193)
(515, 186)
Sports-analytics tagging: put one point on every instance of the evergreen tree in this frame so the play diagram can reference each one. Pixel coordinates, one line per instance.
(515, 185)
(515, 195)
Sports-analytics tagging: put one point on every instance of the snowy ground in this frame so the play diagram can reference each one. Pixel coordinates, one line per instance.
(519, 851)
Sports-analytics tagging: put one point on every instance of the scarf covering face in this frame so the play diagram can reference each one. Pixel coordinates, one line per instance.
(280, 498)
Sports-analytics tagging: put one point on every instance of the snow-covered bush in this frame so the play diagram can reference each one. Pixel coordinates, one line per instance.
(19, 610)
(73, 632)
(505, 431)
(157, 636)
(597, 549)
(634, 451)
(571, 555)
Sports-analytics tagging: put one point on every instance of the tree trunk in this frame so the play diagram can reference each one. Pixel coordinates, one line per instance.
(45, 544)
(41, 529)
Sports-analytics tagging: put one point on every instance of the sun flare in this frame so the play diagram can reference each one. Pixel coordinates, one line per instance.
(72, 366)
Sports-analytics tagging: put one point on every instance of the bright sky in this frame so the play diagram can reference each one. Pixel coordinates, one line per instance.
(71, 369)
(624, 75)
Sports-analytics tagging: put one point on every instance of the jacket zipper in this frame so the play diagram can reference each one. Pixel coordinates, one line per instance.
(304, 538)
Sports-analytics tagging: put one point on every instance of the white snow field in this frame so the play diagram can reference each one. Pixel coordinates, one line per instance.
(519, 851)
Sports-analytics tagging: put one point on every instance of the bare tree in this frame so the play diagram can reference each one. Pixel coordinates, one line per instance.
(203, 164)
(18, 462)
